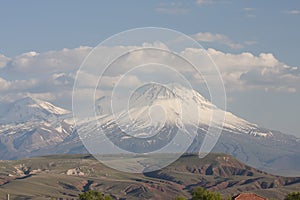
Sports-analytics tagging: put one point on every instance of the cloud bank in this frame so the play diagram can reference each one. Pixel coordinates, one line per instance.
(51, 75)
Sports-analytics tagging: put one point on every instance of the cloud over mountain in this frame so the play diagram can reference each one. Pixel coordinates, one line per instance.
(54, 71)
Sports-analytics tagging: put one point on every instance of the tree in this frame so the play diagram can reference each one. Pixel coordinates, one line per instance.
(93, 195)
(180, 198)
(293, 196)
(203, 194)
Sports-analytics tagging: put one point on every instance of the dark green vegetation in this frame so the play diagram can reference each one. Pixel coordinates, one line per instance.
(293, 196)
(197, 194)
(94, 195)
(67, 176)
(203, 194)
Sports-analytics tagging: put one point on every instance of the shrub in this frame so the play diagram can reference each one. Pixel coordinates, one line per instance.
(203, 194)
(94, 195)
(293, 196)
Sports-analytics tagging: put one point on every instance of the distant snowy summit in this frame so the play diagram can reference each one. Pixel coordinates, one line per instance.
(30, 109)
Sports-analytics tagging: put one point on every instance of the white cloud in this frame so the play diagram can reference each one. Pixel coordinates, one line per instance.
(156, 44)
(291, 12)
(89, 80)
(49, 62)
(173, 8)
(248, 9)
(250, 42)
(246, 71)
(17, 85)
(20, 85)
(249, 12)
(4, 84)
(126, 81)
(61, 79)
(203, 2)
(243, 71)
(210, 37)
(251, 16)
(3, 60)
(174, 11)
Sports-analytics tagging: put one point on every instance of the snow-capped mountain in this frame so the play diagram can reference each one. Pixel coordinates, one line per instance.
(30, 109)
(154, 105)
(31, 127)
(157, 112)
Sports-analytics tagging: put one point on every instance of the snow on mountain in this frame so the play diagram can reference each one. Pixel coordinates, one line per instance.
(29, 126)
(31, 109)
(154, 114)
(155, 105)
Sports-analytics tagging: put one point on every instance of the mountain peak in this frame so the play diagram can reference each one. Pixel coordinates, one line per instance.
(152, 93)
(173, 103)
(26, 100)
(30, 109)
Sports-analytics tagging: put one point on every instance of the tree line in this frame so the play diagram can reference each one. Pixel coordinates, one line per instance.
(197, 194)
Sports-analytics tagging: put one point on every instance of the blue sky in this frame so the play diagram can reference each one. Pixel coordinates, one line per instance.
(234, 27)
(50, 25)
